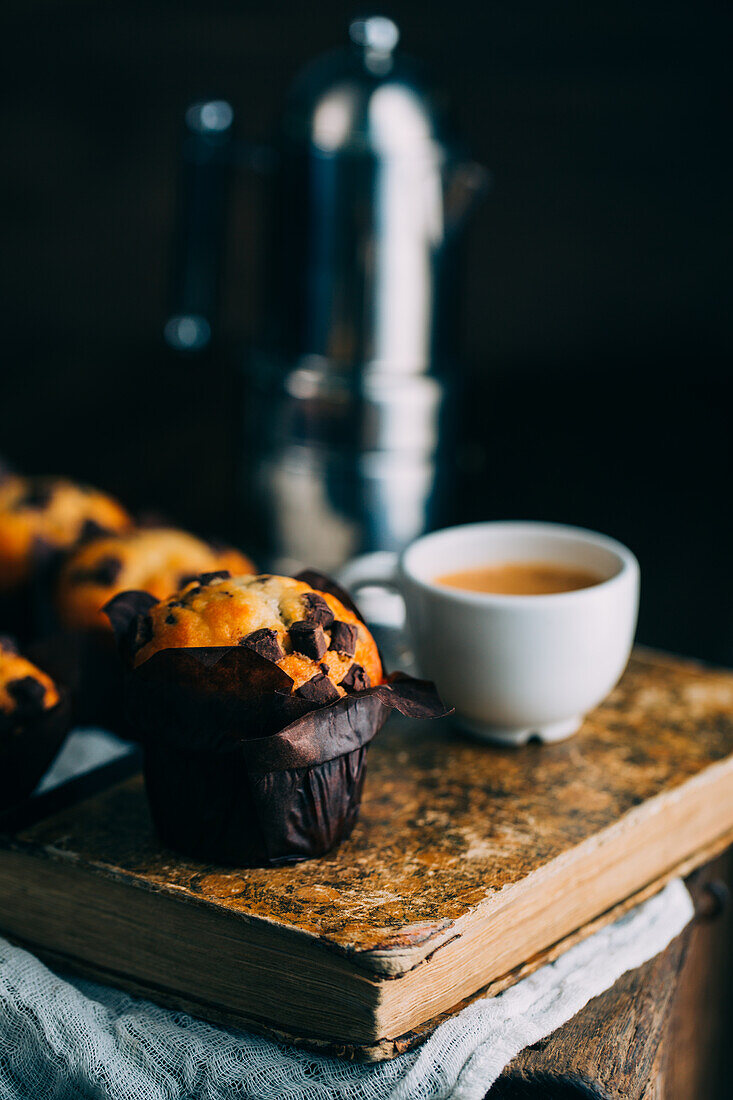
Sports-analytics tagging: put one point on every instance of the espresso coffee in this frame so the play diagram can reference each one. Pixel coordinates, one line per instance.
(521, 578)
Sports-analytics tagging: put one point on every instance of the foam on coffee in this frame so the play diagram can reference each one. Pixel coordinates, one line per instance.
(521, 578)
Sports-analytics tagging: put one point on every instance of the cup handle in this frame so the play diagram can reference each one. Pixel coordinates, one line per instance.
(378, 571)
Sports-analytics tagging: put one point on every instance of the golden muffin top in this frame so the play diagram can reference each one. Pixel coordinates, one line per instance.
(321, 645)
(51, 511)
(24, 689)
(158, 560)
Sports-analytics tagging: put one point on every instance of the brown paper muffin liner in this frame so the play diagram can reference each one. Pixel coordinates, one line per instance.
(240, 771)
(28, 747)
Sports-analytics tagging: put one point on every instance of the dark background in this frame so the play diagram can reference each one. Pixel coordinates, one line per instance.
(595, 331)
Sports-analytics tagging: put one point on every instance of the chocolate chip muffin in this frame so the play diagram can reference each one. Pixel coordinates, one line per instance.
(158, 560)
(256, 699)
(42, 515)
(320, 644)
(33, 723)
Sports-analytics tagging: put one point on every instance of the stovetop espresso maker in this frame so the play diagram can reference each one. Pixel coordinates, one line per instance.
(347, 420)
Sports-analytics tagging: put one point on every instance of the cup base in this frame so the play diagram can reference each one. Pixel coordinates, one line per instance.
(503, 735)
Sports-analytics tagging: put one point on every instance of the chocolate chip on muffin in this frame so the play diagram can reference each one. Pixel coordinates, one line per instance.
(308, 639)
(104, 572)
(28, 692)
(92, 530)
(317, 610)
(319, 690)
(356, 679)
(37, 495)
(343, 638)
(24, 688)
(265, 643)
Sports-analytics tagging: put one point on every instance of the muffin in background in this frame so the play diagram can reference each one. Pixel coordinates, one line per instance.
(158, 560)
(41, 519)
(33, 723)
(42, 515)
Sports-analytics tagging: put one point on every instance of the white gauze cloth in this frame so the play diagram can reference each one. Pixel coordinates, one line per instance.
(67, 1039)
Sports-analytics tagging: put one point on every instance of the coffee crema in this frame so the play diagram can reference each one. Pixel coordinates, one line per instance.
(521, 578)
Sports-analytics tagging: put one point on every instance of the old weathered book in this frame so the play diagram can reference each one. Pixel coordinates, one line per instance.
(469, 866)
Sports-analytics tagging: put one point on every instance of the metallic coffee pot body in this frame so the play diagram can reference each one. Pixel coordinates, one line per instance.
(348, 397)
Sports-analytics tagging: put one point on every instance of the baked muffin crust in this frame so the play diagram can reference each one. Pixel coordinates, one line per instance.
(157, 560)
(318, 642)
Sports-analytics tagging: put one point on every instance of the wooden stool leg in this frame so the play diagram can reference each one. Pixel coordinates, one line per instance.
(698, 1042)
(662, 1032)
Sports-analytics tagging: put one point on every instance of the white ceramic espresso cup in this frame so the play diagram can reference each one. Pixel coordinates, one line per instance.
(514, 667)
